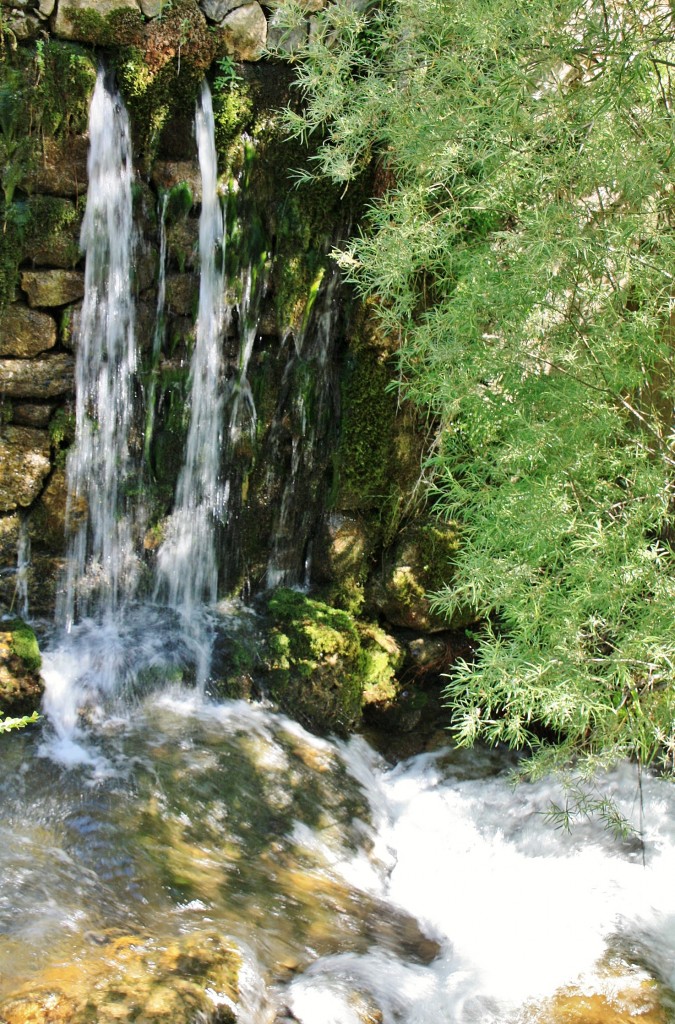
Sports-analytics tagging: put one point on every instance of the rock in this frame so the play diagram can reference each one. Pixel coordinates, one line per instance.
(62, 170)
(166, 174)
(26, 414)
(153, 8)
(9, 541)
(46, 8)
(245, 32)
(182, 239)
(71, 318)
(182, 291)
(136, 981)
(216, 10)
(24, 463)
(25, 332)
(285, 41)
(24, 27)
(37, 378)
(52, 287)
(342, 561)
(53, 235)
(85, 20)
(47, 523)
(21, 687)
(419, 563)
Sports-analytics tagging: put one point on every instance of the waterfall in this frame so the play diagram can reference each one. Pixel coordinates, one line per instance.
(22, 566)
(187, 565)
(100, 564)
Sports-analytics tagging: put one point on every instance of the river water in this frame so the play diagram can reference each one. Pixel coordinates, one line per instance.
(355, 891)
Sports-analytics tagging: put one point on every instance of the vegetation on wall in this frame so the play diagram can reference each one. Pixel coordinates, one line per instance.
(524, 251)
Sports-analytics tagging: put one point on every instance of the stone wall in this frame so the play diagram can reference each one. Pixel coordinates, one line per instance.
(373, 551)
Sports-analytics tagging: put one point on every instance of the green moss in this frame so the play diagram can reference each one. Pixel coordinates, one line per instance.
(61, 433)
(322, 661)
(232, 112)
(365, 459)
(179, 202)
(160, 71)
(52, 225)
(123, 27)
(24, 645)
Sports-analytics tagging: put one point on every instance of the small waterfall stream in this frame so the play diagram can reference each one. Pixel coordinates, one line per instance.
(101, 563)
(187, 563)
(151, 836)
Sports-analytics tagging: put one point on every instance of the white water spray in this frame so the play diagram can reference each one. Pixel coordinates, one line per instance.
(101, 565)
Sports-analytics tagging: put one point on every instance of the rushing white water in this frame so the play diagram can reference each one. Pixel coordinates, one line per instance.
(22, 567)
(187, 564)
(185, 813)
(101, 564)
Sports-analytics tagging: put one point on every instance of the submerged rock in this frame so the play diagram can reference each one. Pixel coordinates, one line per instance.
(133, 978)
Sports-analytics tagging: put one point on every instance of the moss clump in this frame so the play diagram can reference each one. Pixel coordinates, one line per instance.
(365, 461)
(123, 27)
(24, 645)
(20, 685)
(61, 433)
(320, 661)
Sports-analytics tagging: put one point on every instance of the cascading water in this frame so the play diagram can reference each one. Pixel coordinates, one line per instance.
(101, 563)
(187, 564)
(174, 841)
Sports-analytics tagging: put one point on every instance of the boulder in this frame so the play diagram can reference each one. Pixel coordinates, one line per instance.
(37, 378)
(47, 523)
(53, 235)
(25, 332)
(29, 414)
(217, 10)
(86, 20)
(282, 40)
(24, 464)
(245, 32)
(52, 287)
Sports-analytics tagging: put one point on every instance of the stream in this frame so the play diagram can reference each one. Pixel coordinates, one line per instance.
(146, 819)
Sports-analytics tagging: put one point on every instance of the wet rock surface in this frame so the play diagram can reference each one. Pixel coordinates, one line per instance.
(24, 464)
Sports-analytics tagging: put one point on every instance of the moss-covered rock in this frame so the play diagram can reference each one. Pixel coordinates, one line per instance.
(418, 563)
(320, 662)
(25, 332)
(52, 287)
(21, 687)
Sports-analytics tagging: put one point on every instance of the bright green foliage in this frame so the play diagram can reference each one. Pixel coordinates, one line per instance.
(523, 247)
(8, 724)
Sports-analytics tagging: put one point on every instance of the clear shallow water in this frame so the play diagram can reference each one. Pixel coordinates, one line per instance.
(429, 892)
